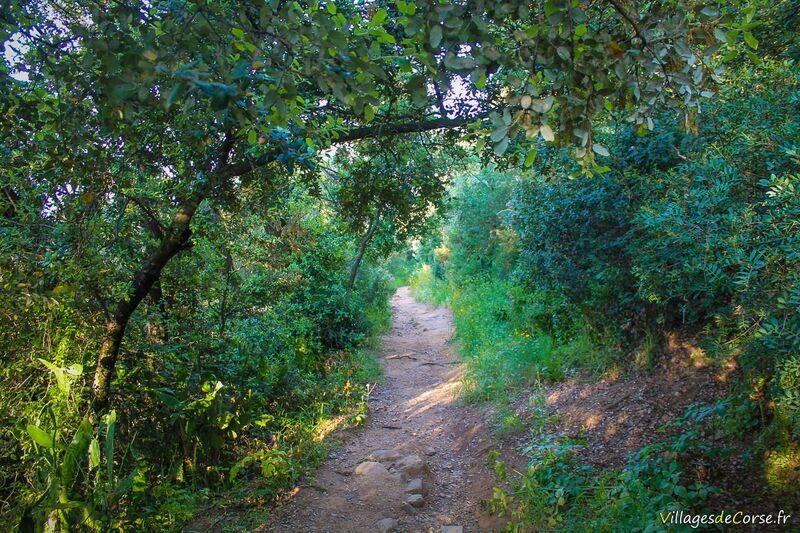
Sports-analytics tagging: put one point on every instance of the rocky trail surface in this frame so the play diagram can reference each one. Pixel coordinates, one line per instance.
(418, 464)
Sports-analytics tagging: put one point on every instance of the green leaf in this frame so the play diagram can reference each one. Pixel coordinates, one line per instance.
(94, 454)
(709, 12)
(237, 32)
(40, 437)
(580, 30)
(76, 452)
(499, 133)
(501, 147)
(173, 95)
(58, 372)
(252, 137)
(730, 55)
(378, 17)
(111, 427)
(68, 505)
(331, 7)
(755, 58)
(406, 8)
(600, 149)
(369, 113)
(531, 157)
(436, 36)
(387, 38)
(751, 41)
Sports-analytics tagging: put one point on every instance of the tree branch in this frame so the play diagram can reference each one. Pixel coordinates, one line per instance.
(629, 18)
(381, 130)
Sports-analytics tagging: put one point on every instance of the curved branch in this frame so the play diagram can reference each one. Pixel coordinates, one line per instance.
(619, 8)
(381, 130)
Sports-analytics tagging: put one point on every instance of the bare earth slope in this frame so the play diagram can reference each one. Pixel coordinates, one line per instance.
(417, 430)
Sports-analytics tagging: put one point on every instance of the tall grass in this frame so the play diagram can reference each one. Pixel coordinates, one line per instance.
(512, 337)
(428, 288)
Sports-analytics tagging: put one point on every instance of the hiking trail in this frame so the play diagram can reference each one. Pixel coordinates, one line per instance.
(418, 464)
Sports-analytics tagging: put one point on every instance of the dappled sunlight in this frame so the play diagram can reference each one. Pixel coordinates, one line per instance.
(554, 396)
(782, 468)
(728, 370)
(592, 420)
(614, 427)
(439, 396)
(370, 258)
(328, 426)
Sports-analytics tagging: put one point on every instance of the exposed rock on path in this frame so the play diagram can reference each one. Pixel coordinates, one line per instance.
(424, 476)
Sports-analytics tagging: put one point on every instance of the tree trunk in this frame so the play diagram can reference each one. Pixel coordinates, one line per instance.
(174, 240)
(156, 328)
(177, 235)
(361, 249)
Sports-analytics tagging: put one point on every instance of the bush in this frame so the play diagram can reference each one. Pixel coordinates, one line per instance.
(246, 352)
(553, 273)
(428, 288)
(558, 491)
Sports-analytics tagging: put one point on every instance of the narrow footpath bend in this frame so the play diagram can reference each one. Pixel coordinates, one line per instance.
(417, 430)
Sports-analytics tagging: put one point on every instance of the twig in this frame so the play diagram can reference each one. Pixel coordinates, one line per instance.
(404, 356)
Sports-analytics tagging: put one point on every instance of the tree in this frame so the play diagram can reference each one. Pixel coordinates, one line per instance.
(388, 189)
(201, 98)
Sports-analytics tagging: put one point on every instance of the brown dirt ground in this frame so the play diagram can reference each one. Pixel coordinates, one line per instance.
(417, 411)
(618, 416)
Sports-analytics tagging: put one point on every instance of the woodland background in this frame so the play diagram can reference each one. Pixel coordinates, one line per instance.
(205, 207)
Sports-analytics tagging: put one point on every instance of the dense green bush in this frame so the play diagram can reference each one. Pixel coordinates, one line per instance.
(249, 346)
(512, 337)
(572, 236)
(685, 230)
(551, 272)
(511, 333)
(559, 492)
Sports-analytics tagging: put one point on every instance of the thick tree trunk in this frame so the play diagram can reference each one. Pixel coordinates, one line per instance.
(177, 235)
(175, 239)
(361, 249)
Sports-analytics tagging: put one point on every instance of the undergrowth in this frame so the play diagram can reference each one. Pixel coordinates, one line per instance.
(298, 445)
(511, 338)
(558, 491)
(554, 274)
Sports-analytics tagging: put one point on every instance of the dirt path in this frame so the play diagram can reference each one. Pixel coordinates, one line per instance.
(417, 430)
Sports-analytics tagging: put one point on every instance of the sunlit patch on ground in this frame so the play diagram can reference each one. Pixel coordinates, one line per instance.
(782, 468)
